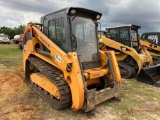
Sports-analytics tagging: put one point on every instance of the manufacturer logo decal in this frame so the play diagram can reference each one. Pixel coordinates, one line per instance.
(25, 47)
(58, 58)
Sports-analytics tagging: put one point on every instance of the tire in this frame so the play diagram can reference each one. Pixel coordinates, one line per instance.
(19, 45)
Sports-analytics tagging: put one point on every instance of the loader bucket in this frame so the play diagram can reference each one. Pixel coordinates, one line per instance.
(150, 75)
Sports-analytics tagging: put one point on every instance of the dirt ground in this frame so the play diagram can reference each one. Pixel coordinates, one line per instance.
(18, 102)
(12, 100)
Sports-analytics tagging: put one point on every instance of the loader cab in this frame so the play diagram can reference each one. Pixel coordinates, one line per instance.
(75, 30)
(127, 35)
(151, 37)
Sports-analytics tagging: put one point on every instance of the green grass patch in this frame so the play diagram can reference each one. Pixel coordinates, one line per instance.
(10, 51)
(10, 56)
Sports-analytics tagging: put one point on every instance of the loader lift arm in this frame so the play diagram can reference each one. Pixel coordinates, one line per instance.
(124, 49)
(54, 51)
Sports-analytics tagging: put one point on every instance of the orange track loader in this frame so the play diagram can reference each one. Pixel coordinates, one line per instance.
(63, 63)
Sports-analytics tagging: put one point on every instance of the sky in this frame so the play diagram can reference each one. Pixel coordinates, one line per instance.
(145, 13)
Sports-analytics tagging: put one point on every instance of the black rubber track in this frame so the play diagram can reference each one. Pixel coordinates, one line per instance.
(56, 77)
(130, 70)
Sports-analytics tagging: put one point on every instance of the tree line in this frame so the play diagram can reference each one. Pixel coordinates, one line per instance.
(11, 32)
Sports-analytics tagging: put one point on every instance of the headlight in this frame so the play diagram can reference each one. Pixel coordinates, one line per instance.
(98, 17)
(73, 12)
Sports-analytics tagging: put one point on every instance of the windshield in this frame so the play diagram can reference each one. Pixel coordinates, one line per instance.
(84, 31)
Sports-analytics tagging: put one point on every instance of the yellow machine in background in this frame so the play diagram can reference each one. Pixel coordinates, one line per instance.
(132, 59)
(63, 65)
(151, 42)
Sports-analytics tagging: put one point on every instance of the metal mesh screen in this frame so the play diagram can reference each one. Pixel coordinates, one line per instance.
(84, 32)
(56, 31)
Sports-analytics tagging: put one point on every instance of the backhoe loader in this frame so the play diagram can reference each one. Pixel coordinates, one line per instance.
(132, 59)
(151, 42)
(63, 63)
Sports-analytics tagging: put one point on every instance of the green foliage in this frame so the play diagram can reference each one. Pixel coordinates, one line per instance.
(11, 32)
(20, 29)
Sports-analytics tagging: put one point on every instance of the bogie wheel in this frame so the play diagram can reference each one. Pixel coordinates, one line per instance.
(127, 73)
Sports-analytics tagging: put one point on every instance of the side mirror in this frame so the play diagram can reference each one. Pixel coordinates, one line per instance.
(107, 30)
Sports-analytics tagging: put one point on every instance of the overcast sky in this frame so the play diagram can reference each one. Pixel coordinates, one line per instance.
(145, 13)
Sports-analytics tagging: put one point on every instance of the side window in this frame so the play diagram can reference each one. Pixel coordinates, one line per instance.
(124, 34)
(52, 32)
(56, 31)
(144, 37)
(114, 34)
(152, 39)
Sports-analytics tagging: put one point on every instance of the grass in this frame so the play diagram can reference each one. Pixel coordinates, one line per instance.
(10, 51)
(138, 100)
(10, 56)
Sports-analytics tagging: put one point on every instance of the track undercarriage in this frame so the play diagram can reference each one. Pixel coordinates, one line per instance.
(40, 68)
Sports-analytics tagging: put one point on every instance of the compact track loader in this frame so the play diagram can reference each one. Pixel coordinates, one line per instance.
(151, 42)
(132, 59)
(63, 63)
